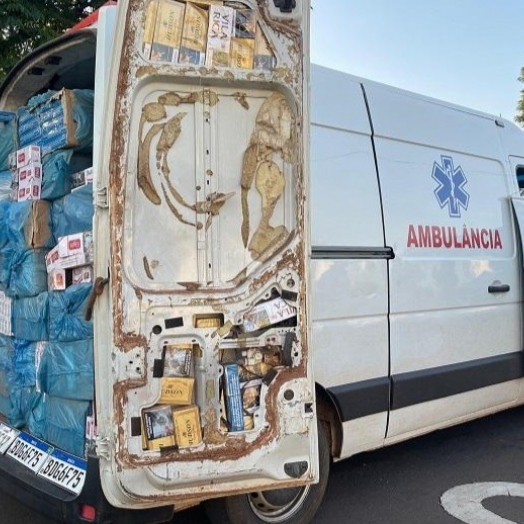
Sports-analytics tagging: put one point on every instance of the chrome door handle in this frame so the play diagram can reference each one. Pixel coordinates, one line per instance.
(498, 288)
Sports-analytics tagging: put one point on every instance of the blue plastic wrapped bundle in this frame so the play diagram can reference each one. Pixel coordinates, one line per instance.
(73, 213)
(57, 120)
(22, 402)
(24, 272)
(7, 138)
(30, 318)
(6, 179)
(66, 370)
(66, 314)
(6, 370)
(61, 422)
(28, 224)
(58, 168)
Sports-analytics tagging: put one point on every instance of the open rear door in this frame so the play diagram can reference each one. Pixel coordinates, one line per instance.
(203, 377)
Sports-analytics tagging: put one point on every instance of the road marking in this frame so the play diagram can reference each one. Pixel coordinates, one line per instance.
(465, 502)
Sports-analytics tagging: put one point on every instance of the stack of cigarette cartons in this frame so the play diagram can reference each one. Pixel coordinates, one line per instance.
(69, 262)
(205, 32)
(175, 420)
(29, 173)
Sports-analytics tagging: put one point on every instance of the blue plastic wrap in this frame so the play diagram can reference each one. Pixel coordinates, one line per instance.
(24, 272)
(73, 213)
(22, 402)
(61, 422)
(43, 122)
(58, 168)
(66, 370)
(19, 216)
(7, 138)
(66, 314)
(6, 179)
(30, 318)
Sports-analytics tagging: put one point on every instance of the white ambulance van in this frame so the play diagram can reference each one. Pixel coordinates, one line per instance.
(224, 335)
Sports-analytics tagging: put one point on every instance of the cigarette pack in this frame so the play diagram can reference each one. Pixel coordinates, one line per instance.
(193, 43)
(177, 390)
(159, 426)
(58, 279)
(220, 31)
(178, 361)
(5, 314)
(188, 431)
(233, 398)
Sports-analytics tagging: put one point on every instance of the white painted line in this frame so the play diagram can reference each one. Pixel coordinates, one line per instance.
(465, 502)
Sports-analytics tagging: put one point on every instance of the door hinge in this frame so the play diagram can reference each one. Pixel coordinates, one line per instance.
(101, 198)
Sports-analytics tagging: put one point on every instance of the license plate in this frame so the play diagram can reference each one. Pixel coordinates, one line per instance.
(29, 451)
(7, 437)
(65, 470)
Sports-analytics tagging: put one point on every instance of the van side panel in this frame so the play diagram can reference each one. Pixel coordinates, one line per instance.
(455, 288)
(349, 266)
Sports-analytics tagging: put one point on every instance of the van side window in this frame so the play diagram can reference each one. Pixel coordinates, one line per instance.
(520, 177)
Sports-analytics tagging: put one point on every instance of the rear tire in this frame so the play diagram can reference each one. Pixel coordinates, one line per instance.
(284, 506)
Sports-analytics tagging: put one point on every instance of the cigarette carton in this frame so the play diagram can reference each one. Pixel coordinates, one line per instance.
(245, 23)
(177, 390)
(29, 189)
(233, 398)
(165, 44)
(28, 154)
(5, 314)
(193, 43)
(242, 53)
(268, 313)
(188, 431)
(220, 31)
(82, 178)
(82, 274)
(76, 244)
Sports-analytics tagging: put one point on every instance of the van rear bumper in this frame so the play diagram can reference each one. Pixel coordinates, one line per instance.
(52, 501)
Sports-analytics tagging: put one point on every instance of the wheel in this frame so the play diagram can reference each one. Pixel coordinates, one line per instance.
(279, 506)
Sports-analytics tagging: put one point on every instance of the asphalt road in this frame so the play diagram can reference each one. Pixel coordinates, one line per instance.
(403, 484)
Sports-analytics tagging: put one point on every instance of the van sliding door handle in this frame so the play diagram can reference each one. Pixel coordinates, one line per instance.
(498, 288)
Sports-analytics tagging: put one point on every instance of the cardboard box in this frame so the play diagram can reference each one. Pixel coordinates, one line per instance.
(194, 36)
(177, 390)
(82, 178)
(178, 361)
(37, 224)
(219, 33)
(268, 313)
(27, 155)
(188, 431)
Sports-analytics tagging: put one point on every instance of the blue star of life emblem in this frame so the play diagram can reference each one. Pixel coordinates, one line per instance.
(450, 190)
